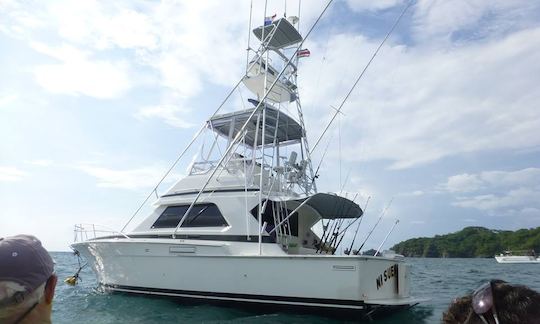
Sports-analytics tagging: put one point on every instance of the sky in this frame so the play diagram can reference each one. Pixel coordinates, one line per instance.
(97, 99)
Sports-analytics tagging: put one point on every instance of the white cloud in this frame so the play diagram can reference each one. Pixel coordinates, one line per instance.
(178, 45)
(417, 105)
(498, 192)
(492, 179)
(172, 115)
(524, 177)
(77, 74)
(445, 17)
(11, 174)
(41, 162)
(102, 25)
(7, 99)
(442, 20)
(463, 183)
(362, 5)
(133, 179)
(16, 20)
(415, 193)
(513, 198)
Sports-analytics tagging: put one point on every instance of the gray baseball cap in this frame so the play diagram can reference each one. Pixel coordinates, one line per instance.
(24, 260)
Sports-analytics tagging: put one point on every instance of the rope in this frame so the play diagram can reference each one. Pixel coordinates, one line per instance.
(249, 35)
(72, 281)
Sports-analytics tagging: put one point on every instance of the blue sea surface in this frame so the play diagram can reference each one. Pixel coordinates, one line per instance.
(441, 280)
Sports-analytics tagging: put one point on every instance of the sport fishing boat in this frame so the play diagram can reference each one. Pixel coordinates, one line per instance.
(239, 227)
(518, 257)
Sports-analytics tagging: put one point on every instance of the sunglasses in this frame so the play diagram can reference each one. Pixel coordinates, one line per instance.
(483, 301)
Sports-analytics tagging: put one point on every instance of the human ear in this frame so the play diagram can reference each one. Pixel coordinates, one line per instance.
(49, 288)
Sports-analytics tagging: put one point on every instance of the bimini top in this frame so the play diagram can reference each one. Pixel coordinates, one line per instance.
(329, 206)
(284, 34)
(288, 129)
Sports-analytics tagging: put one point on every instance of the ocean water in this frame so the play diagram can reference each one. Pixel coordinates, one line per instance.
(442, 280)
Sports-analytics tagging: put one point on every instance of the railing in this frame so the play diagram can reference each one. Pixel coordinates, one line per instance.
(84, 232)
(203, 167)
(276, 179)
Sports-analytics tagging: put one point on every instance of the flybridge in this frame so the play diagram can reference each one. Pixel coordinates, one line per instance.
(257, 136)
(262, 78)
(279, 127)
(279, 34)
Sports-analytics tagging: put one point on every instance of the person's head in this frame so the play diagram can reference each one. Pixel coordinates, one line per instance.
(512, 304)
(27, 280)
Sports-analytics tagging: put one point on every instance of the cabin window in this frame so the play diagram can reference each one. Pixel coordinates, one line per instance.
(201, 215)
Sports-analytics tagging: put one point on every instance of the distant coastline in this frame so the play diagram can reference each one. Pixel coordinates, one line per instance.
(470, 242)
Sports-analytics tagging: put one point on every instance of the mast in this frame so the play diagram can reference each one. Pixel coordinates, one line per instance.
(277, 36)
(280, 42)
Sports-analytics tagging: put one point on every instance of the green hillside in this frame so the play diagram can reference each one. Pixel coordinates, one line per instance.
(470, 242)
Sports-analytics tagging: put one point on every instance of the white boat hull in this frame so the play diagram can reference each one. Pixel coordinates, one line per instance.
(187, 269)
(517, 259)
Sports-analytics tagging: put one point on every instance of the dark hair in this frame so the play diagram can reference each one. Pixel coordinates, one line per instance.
(516, 304)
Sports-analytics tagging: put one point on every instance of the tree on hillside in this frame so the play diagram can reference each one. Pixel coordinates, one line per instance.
(470, 242)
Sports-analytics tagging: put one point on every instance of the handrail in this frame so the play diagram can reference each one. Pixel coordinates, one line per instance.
(81, 231)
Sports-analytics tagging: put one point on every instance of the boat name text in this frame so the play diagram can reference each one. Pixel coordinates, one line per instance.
(391, 272)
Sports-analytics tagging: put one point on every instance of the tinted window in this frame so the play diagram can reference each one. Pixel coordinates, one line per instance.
(203, 215)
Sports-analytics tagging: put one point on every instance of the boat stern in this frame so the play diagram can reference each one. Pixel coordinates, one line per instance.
(387, 284)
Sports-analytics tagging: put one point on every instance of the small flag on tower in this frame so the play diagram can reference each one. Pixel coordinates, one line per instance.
(269, 20)
(303, 53)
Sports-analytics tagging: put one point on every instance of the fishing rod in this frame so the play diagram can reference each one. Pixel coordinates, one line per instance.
(325, 227)
(377, 223)
(329, 234)
(386, 237)
(330, 237)
(324, 239)
(315, 176)
(336, 225)
(342, 233)
(335, 235)
(358, 226)
(351, 223)
(340, 222)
